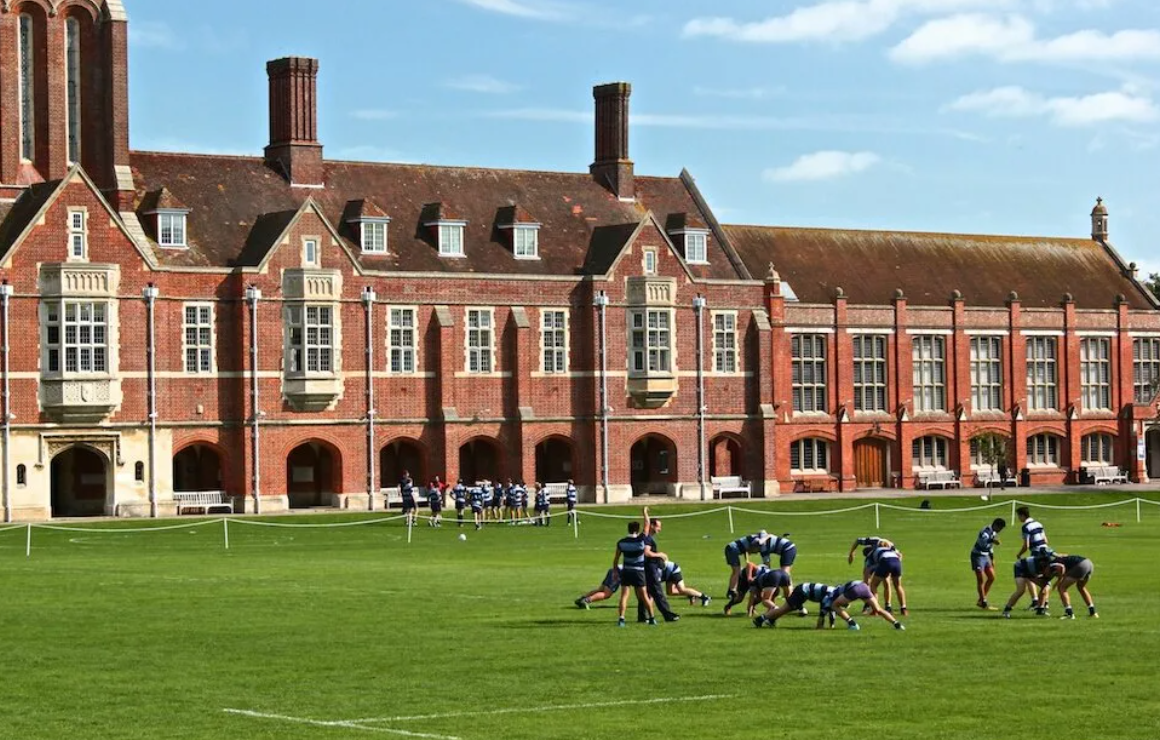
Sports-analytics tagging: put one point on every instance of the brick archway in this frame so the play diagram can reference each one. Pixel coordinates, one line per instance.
(313, 474)
(80, 482)
(654, 465)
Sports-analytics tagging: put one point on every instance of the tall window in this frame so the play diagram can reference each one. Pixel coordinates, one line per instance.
(929, 452)
(1146, 368)
(73, 83)
(374, 236)
(27, 89)
(696, 247)
(1096, 449)
(480, 340)
(1041, 378)
(651, 341)
(930, 385)
(1043, 449)
(171, 229)
(809, 372)
(725, 342)
(198, 338)
(526, 242)
(1095, 373)
(870, 372)
(987, 373)
(554, 340)
(809, 455)
(311, 339)
(78, 239)
(451, 240)
(978, 460)
(83, 341)
(650, 262)
(401, 325)
(310, 252)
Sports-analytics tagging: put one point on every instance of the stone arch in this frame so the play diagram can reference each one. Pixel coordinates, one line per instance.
(555, 459)
(199, 466)
(726, 456)
(481, 458)
(653, 461)
(313, 473)
(80, 482)
(403, 454)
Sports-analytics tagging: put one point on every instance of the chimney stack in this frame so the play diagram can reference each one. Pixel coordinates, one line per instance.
(612, 168)
(294, 149)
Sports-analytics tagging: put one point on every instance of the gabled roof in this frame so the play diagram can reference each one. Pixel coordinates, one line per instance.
(871, 265)
(23, 212)
(364, 208)
(513, 215)
(160, 200)
(684, 221)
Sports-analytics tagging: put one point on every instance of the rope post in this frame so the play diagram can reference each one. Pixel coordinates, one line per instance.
(410, 526)
(1013, 502)
(28, 542)
(576, 523)
(226, 531)
(877, 517)
(1137, 511)
(730, 510)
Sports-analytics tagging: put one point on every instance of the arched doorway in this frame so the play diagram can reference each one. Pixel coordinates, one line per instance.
(871, 463)
(312, 475)
(79, 483)
(1152, 452)
(399, 455)
(197, 468)
(554, 461)
(654, 466)
(725, 457)
(479, 460)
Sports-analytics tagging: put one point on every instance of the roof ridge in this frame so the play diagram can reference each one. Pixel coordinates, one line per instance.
(907, 232)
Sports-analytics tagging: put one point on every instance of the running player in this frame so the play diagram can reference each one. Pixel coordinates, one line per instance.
(675, 585)
(738, 549)
(435, 502)
(847, 594)
(459, 496)
(477, 502)
(1071, 569)
(634, 551)
(869, 545)
(816, 592)
(983, 560)
(571, 497)
(888, 569)
(1028, 576)
(605, 590)
(407, 491)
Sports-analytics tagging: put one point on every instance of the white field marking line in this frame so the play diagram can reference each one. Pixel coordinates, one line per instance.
(353, 725)
(547, 708)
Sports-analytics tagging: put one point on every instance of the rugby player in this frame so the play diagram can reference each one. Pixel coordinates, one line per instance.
(675, 585)
(816, 592)
(1029, 575)
(607, 587)
(459, 496)
(634, 550)
(765, 584)
(888, 569)
(435, 502)
(747, 574)
(738, 549)
(477, 502)
(543, 506)
(786, 552)
(983, 560)
(1071, 570)
(407, 491)
(1034, 536)
(847, 594)
(571, 496)
(869, 545)
(654, 572)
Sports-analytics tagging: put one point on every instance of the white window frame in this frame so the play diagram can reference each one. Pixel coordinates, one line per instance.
(977, 462)
(725, 358)
(697, 247)
(805, 450)
(177, 227)
(554, 339)
(1145, 368)
(451, 236)
(1042, 373)
(73, 85)
(402, 355)
(810, 396)
(78, 235)
(82, 340)
(373, 235)
(1095, 373)
(203, 335)
(650, 343)
(649, 260)
(479, 341)
(929, 372)
(987, 373)
(929, 452)
(867, 369)
(1043, 451)
(311, 251)
(526, 242)
(310, 342)
(1102, 445)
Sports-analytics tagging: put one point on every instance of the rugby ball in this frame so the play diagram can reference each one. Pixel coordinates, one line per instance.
(985, 497)
(462, 537)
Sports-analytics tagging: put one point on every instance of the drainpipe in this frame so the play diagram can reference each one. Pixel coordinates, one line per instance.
(150, 294)
(253, 296)
(5, 297)
(601, 303)
(368, 296)
(699, 304)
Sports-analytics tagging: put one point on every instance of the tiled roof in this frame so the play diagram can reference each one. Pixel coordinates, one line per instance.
(21, 213)
(512, 215)
(871, 265)
(236, 203)
(160, 200)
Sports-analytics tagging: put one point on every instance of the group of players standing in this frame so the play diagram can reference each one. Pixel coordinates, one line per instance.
(652, 576)
(488, 502)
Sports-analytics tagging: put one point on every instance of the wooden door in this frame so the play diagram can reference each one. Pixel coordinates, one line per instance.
(870, 463)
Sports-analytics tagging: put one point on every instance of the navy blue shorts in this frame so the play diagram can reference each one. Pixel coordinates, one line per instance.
(476, 509)
(797, 599)
(858, 591)
(408, 505)
(788, 557)
(980, 561)
(630, 578)
(889, 567)
(732, 555)
(611, 581)
(571, 505)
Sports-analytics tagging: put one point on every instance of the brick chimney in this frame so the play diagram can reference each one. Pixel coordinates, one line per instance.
(613, 168)
(294, 149)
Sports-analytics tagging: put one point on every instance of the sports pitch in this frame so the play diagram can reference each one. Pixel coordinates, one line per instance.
(349, 632)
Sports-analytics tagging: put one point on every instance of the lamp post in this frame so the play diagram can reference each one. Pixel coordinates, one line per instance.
(253, 297)
(600, 301)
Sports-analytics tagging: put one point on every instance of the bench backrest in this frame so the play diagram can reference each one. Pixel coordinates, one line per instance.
(726, 481)
(199, 497)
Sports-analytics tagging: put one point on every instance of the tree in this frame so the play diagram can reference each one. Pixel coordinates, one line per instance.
(1153, 283)
(993, 449)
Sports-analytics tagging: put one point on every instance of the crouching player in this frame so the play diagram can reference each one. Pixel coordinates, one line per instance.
(738, 550)
(746, 575)
(869, 545)
(1071, 570)
(888, 569)
(847, 594)
(786, 552)
(764, 587)
(1029, 576)
(815, 592)
(607, 587)
(675, 584)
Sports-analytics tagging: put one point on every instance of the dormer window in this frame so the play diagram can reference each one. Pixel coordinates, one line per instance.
(171, 229)
(526, 242)
(696, 247)
(451, 238)
(694, 233)
(374, 235)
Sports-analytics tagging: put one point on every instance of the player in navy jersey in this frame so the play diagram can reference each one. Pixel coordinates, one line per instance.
(634, 550)
(983, 560)
(738, 550)
(605, 590)
(815, 592)
(746, 575)
(786, 552)
(459, 496)
(1071, 570)
(674, 581)
(763, 587)
(522, 501)
(847, 594)
(495, 500)
(1029, 576)
(653, 566)
(888, 569)
(571, 496)
(508, 493)
(435, 502)
(543, 507)
(407, 491)
(869, 545)
(476, 495)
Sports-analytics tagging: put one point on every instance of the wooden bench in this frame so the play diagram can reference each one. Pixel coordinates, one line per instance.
(1104, 475)
(939, 479)
(991, 479)
(206, 501)
(730, 484)
(814, 484)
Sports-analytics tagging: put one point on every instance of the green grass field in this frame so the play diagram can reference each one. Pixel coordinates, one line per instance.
(351, 632)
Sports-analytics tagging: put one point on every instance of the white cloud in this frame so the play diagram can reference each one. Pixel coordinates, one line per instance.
(372, 114)
(481, 83)
(534, 9)
(825, 165)
(1087, 110)
(154, 35)
(1014, 39)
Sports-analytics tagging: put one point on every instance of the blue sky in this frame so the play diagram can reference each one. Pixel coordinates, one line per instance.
(979, 116)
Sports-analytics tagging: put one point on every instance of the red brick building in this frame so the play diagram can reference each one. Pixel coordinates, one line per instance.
(297, 331)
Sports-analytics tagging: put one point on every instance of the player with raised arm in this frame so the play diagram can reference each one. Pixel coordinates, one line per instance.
(407, 492)
(738, 550)
(634, 550)
(983, 560)
(1070, 570)
(847, 594)
(607, 587)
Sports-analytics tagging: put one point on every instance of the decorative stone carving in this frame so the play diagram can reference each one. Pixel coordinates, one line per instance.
(80, 401)
(312, 394)
(652, 291)
(66, 279)
(312, 285)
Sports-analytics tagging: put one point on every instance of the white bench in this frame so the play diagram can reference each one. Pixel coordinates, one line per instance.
(557, 492)
(206, 501)
(393, 497)
(991, 479)
(1104, 475)
(727, 484)
(939, 479)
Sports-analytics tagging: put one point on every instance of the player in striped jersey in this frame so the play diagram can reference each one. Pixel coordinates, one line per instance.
(674, 581)
(847, 594)
(1034, 536)
(983, 560)
(746, 575)
(607, 587)
(1028, 575)
(478, 499)
(571, 496)
(815, 592)
(869, 545)
(888, 569)
(634, 550)
(1071, 570)
(786, 552)
(765, 585)
(737, 550)
(459, 496)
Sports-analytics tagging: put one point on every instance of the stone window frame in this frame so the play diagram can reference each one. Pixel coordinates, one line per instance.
(990, 391)
(697, 246)
(403, 349)
(1145, 368)
(1103, 444)
(483, 354)
(879, 387)
(929, 452)
(1095, 373)
(203, 349)
(178, 226)
(1043, 450)
(929, 372)
(370, 229)
(559, 351)
(820, 366)
(78, 234)
(307, 262)
(1042, 373)
(809, 447)
(726, 359)
(297, 318)
(644, 351)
